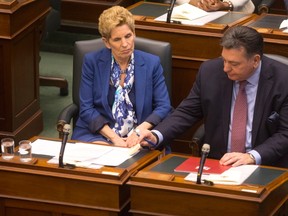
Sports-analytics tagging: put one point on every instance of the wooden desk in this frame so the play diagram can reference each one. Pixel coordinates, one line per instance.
(276, 42)
(43, 189)
(191, 46)
(158, 190)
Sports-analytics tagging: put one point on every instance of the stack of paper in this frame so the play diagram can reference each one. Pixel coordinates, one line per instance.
(190, 15)
(188, 11)
(232, 176)
(83, 154)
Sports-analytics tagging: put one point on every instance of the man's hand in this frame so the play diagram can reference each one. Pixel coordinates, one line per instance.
(236, 159)
(147, 135)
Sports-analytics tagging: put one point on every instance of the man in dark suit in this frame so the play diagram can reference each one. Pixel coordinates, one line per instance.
(213, 95)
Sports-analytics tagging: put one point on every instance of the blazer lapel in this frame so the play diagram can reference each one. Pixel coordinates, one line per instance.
(140, 79)
(104, 74)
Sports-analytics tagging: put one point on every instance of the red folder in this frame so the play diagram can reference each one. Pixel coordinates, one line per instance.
(211, 166)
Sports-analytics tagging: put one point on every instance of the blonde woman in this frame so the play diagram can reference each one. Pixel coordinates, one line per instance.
(121, 88)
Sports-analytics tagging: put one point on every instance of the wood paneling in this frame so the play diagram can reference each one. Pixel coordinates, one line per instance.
(22, 24)
(85, 13)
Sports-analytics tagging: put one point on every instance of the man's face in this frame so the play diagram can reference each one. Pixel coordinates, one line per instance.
(237, 65)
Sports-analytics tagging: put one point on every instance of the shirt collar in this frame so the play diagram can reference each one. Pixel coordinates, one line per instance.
(254, 79)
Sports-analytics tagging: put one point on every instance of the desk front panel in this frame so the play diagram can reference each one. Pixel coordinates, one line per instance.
(158, 190)
(275, 40)
(44, 189)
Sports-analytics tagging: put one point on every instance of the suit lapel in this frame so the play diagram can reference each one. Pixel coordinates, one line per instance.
(264, 87)
(227, 89)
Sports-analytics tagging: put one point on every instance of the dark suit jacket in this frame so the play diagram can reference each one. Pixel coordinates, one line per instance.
(151, 94)
(210, 99)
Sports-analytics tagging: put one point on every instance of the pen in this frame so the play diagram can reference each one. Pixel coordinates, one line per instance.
(147, 140)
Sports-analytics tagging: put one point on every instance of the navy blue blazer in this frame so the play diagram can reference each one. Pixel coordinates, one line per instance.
(151, 94)
(210, 99)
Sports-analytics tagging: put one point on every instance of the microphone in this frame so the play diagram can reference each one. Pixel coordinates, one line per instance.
(169, 11)
(204, 152)
(66, 131)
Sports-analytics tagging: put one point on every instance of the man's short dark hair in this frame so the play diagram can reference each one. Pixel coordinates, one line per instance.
(243, 36)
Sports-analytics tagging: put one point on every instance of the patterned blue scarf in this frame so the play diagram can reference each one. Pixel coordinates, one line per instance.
(122, 109)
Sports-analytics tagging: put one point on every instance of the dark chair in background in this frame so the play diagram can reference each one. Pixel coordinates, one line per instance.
(159, 48)
(53, 22)
(262, 6)
(198, 136)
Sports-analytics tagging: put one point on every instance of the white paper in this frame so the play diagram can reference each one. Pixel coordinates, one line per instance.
(84, 155)
(198, 21)
(232, 176)
(187, 12)
(284, 24)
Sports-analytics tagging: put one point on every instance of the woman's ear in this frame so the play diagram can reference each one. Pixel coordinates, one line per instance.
(106, 42)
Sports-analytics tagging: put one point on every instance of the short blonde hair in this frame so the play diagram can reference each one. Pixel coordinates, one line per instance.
(113, 17)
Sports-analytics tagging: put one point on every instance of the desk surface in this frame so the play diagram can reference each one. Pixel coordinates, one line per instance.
(268, 21)
(150, 10)
(46, 188)
(262, 193)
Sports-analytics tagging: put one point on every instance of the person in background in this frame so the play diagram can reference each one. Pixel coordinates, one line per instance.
(243, 83)
(245, 6)
(121, 88)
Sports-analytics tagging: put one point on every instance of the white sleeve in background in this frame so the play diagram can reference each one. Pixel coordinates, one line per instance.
(180, 2)
(245, 6)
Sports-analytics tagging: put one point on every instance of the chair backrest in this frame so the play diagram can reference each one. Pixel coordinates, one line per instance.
(279, 58)
(262, 6)
(159, 48)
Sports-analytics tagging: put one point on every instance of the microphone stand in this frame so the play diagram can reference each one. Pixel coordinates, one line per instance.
(169, 11)
(66, 131)
(205, 151)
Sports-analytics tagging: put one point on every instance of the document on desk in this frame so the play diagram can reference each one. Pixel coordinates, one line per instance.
(190, 15)
(83, 154)
(232, 176)
(284, 26)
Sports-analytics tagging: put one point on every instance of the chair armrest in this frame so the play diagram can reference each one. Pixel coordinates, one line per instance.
(66, 116)
(264, 6)
(197, 140)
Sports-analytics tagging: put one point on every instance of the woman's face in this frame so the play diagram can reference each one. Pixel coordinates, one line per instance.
(121, 43)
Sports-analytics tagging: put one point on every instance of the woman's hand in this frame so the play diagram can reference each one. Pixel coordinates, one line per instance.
(132, 139)
(112, 136)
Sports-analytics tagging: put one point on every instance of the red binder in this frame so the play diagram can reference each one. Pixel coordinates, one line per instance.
(211, 166)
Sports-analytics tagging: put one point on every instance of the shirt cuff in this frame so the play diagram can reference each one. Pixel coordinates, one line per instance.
(160, 136)
(257, 156)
